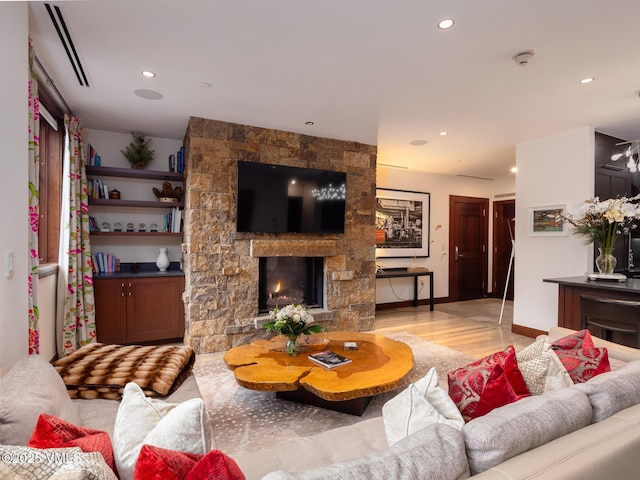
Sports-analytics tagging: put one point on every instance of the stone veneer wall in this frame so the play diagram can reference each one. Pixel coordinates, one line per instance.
(221, 265)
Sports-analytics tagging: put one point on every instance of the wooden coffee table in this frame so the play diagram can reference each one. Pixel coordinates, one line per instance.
(379, 365)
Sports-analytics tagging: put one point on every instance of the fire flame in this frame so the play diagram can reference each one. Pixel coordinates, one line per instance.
(277, 290)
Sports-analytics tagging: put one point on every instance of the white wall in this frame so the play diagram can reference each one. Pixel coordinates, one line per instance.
(440, 187)
(13, 190)
(135, 249)
(551, 171)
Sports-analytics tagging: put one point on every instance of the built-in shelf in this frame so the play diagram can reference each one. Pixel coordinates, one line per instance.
(138, 234)
(133, 203)
(134, 173)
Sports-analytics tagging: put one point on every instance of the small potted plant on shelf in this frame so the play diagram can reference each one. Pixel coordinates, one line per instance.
(138, 151)
(168, 193)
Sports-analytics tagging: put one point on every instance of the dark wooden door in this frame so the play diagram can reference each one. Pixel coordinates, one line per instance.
(468, 238)
(504, 223)
(111, 310)
(153, 309)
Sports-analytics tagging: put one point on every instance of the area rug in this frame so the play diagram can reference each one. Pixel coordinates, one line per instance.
(246, 420)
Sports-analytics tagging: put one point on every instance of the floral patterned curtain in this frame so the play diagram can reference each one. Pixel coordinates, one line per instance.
(76, 307)
(34, 206)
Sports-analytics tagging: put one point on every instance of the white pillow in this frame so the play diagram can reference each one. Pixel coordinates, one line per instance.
(141, 421)
(421, 404)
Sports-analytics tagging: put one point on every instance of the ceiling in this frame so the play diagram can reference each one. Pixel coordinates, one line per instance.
(373, 71)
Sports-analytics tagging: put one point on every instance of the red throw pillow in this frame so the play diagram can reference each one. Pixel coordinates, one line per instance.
(580, 339)
(584, 363)
(155, 463)
(215, 465)
(52, 432)
(497, 392)
(467, 384)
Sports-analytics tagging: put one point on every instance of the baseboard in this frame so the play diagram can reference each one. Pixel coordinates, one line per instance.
(527, 331)
(408, 303)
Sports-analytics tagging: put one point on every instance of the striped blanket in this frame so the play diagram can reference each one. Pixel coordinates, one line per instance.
(101, 371)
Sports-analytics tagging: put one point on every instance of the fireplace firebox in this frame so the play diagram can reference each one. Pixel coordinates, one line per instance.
(285, 280)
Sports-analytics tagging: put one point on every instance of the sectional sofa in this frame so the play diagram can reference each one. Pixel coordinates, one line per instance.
(589, 431)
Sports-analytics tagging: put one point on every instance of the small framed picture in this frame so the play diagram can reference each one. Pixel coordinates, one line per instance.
(544, 221)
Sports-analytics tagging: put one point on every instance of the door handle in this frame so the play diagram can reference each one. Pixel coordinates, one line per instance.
(457, 254)
(122, 289)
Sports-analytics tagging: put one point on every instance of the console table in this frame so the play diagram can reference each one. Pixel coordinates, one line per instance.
(403, 272)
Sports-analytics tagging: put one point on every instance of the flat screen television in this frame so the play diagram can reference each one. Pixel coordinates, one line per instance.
(281, 199)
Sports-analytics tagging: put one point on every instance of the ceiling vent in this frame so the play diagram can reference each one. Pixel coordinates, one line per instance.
(63, 33)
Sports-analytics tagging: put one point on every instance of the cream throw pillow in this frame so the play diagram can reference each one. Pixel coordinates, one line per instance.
(421, 404)
(52, 464)
(30, 388)
(541, 368)
(141, 420)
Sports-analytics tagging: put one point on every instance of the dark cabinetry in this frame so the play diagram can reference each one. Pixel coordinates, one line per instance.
(613, 179)
(139, 309)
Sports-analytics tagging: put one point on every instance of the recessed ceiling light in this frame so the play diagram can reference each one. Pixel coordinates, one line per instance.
(148, 94)
(205, 85)
(148, 74)
(416, 143)
(309, 123)
(444, 134)
(584, 81)
(446, 23)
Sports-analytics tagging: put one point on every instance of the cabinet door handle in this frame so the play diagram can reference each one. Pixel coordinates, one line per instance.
(130, 288)
(122, 289)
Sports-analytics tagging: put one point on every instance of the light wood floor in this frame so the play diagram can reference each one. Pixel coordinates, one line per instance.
(471, 327)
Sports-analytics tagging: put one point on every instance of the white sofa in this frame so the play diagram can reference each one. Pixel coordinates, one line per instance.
(591, 431)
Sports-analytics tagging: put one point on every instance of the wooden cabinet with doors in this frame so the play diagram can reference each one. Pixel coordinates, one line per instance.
(139, 309)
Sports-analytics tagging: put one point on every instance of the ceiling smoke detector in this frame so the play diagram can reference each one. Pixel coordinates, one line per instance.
(522, 58)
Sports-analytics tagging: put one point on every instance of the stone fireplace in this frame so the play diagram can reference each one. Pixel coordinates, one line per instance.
(285, 280)
(222, 266)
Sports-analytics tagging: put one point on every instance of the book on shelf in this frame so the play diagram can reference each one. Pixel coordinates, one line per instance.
(329, 359)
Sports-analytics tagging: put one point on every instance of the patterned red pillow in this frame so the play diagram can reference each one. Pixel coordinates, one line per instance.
(52, 432)
(584, 363)
(580, 339)
(215, 465)
(155, 463)
(467, 384)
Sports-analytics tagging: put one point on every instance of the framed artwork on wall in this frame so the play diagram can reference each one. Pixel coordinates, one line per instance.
(402, 223)
(543, 221)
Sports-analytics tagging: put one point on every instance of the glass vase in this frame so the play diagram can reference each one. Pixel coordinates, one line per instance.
(606, 262)
(292, 347)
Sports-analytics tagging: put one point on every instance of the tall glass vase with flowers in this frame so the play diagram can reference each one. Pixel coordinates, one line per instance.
(292, 321)
(602, 222)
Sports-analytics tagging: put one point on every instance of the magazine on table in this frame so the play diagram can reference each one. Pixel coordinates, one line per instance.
(329, 359)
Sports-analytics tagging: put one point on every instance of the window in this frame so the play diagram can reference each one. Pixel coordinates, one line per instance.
(51, 151)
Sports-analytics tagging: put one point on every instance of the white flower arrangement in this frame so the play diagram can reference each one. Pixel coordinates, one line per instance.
(292, 321)
(602, 222)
